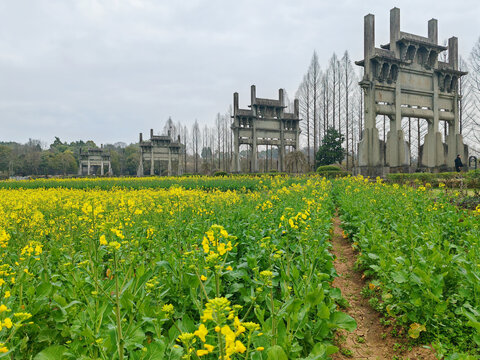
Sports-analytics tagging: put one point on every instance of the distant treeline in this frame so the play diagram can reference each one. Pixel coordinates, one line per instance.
(60, 158)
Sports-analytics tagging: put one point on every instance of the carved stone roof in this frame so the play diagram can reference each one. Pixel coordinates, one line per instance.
(426, 44)
(290, 116)
(268, 102)
(446, 67)
(382, 54)
(161, 137)
(244, 112)
(160, 141)
(94, 151)
(414, 37)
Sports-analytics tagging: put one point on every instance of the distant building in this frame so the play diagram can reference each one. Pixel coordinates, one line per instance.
(265, 123)
(162, 155)
(94, 160)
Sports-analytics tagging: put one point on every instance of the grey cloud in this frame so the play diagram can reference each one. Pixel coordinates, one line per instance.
(105, 70)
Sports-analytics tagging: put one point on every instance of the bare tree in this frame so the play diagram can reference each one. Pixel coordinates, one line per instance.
(314, 77)
(467, 119)
(170, 128)
(326, 100)
(218, 126)
(475, 87)
(185, 147)
(224, 141)
(303, 95)
(333, 71)
(348, 77)
(195, 144)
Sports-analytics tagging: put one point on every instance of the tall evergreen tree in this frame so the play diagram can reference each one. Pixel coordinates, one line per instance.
(331, 150)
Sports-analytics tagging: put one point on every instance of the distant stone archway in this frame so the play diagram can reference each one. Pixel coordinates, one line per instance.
(265, 123)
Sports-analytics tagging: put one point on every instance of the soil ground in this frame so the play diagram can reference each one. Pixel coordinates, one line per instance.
(371, 339)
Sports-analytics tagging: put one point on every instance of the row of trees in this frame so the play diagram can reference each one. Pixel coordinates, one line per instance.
(330, 98)
(60, 158)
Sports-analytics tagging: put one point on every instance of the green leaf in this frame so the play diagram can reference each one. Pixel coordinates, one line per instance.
(316, 296)
(44, 289)
(54, 352)
(260, 314)
(60, 300)
(318, 350)
(472, 320)
(276, 352)
(476, 338)
(415, 330)
(156, 351)
(344, 321)
(323, 311)
(331, 349)
(398, 277)
(321, 352)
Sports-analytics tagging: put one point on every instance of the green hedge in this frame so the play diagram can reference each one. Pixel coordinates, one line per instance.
(326, 168)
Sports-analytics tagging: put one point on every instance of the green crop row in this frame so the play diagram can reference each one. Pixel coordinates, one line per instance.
(423, 257)
(220, 183)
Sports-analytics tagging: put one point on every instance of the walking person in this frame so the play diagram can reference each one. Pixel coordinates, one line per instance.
(458, 163)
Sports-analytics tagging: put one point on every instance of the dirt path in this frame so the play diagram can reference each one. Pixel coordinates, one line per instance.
(371, 340)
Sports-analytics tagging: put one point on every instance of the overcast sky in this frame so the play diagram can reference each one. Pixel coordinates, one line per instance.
(106, 70)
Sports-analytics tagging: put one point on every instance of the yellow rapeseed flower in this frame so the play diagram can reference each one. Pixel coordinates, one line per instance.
(201, 332)
(103, 240)
(168, 308)
(7, 323)
(202, 352)
(22, 315)
(185, 337)
(114, 244)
